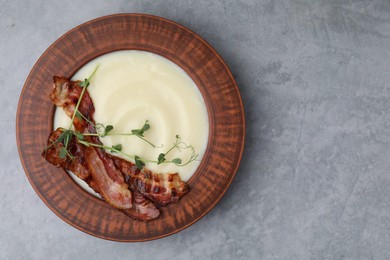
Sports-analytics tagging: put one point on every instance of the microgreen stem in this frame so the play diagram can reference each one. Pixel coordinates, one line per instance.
(88, 134)
(85, 118)
(77, 107)
(105, 148)
(140, 137)
(78, 104)
(81, 96)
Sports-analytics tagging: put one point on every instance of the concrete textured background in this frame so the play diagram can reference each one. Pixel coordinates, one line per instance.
(314, 182)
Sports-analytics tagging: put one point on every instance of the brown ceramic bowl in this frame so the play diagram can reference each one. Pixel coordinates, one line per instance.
(132, 32)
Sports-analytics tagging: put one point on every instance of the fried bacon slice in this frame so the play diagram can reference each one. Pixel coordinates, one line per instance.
(77, 165)
(142, 209)
(65, 94)
(107, 178)
(160, 188)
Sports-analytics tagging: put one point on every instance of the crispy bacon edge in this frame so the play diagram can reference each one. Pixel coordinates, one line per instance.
(160, 188)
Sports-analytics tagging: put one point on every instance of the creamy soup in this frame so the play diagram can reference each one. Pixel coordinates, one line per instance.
(131, 87)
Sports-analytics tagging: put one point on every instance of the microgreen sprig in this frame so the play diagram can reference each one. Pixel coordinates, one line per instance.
(180, 145)
(140, 162)
(102, 131)
(140, 134)
(117, 149)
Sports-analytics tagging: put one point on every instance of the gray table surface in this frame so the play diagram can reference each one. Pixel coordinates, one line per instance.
(314, 182)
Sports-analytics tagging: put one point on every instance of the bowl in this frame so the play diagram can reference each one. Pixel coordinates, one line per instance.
(132, 32)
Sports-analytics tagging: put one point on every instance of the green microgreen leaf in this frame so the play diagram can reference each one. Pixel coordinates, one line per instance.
(63, 135)
(146, 126)
(79, 136)
(116, 148)
(84, 83)
(107, 129)
(176, 161)
(78, 115)
(140, 132)
(161, 158)
(136, 132)
(138, 162)
(81, 83)
(62, 153)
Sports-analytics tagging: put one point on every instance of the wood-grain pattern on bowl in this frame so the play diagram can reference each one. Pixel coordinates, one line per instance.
(132, 32)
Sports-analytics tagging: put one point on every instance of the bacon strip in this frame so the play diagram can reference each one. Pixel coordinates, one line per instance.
(108, 179)
(142, 208)
(160, 188)
(77, 165)
(66, 94)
